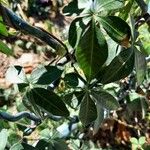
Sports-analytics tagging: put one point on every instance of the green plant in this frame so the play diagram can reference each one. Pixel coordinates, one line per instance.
(91, 63)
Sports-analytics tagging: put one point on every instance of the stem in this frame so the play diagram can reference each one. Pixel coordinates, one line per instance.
(144, 9)
(142, 5)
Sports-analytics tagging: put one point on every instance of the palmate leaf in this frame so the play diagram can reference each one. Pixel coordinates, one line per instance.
(88, 112)
(45, 75)
(92, 51)
(102, 5)
(71, 79)
(117, 29)
(140, 66)
(75, 30)
(49, 101)
(120, 67)
(106, 100)
(72, 8)
(16, 74)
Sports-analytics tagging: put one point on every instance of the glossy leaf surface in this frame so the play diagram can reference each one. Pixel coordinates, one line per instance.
(49, 101)
(45, 75)
(106, 100)
(120, 67)
(117, 29)
(91, 52)
(88, 112)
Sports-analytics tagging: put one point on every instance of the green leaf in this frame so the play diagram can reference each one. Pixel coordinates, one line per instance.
(59, 145)
(134, 141)
(16, 74)
(41, 145)
(142, 140)
(106, 5)
(49, 101)
(17, 146)
(72, 8)
(91, 52)
(123, 13)
(120, 67)
(88, 112)
(106, 100)
(3, 139)
(3, 29)
(140, 66)
(100, 117)
(28, 147)
(117, 29)
(5, 49)
(45, 75)
(75, 31)
(71, 79)
(67, 98)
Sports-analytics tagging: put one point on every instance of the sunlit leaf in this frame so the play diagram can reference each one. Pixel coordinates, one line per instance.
(3, 30)
(75, 30)
(45, 75)
(91, 52)
(102, 5)
(117, 29)
(120, 67)
(5, 49)
(3, 139)
(16, 74)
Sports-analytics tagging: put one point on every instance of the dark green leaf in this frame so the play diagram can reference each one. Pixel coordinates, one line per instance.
(71, 79)
(29, 103)
(45, 75)
(140, 66)
(79, 95)
(73, 99)
(3, 29)
(75, 30)
(72, 8)
(5, 49)
(49, 101)
(102, 5)
(16, 74)
(41, 145)
(60, 145)
(22, 86)
(106, 100)
(28, 147)
(91, 52)
(3, 139)
(67, 98)
(117, 29)
(88, 112)
(120, 67)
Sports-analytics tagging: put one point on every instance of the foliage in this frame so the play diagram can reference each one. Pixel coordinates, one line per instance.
(104, 48)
